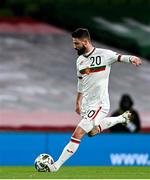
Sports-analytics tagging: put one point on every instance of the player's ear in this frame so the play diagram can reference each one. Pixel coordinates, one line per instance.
(85, 41)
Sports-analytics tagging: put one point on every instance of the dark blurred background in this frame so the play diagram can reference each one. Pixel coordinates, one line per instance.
(123, 23)
(38, 74)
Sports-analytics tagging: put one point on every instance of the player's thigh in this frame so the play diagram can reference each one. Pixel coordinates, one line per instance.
(101, 115)
(92, 118)
(78, 133)
(86, 124)
(87, 121)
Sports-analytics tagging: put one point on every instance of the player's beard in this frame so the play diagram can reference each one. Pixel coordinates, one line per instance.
(81, 51)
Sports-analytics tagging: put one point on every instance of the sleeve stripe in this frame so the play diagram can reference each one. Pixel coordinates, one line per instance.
(119, 58)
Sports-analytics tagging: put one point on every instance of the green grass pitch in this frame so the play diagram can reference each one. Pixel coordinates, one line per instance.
(76, 172)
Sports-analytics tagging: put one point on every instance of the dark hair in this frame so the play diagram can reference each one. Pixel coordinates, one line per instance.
(81, 33)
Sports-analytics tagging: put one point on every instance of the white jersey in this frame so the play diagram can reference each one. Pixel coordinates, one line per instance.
(93, 76)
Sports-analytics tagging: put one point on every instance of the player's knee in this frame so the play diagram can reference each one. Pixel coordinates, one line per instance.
(90, 134)
(94, 131)
(77, 135)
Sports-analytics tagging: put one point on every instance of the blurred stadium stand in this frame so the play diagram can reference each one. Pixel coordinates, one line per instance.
(38, 78)
(121, 23)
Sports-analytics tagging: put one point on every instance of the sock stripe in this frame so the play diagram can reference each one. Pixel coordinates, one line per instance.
(119, 58)
(74, 140)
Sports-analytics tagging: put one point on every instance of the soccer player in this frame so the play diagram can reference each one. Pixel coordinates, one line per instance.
(92, 102)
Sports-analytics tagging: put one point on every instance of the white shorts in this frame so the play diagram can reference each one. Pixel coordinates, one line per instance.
(92, 118)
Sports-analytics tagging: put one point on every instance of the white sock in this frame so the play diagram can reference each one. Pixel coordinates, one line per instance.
(110, 121)
(68, 151)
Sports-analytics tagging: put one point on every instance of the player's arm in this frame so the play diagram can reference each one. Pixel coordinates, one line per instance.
(79, 89)
(78, 103)
(114, 57)
(79, 95)
(130, 59)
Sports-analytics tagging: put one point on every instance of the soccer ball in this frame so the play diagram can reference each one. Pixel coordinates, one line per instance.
(42, 161)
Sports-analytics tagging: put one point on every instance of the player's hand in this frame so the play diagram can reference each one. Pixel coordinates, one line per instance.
(78, 109)
(135, 61)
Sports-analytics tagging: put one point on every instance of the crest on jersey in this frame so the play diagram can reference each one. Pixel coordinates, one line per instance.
(81, 62)
(87, 71)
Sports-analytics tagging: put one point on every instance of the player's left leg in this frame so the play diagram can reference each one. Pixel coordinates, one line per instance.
(107, 122)
(69, 149)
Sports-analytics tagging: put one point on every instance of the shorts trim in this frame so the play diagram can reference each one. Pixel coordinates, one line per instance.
(100, 129)
(96, 113)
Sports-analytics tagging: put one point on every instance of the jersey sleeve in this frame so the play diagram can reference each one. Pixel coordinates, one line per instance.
(112, 57)
(79, 76)
(79, 85)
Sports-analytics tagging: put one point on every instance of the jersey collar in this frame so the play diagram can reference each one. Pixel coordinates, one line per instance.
(89, 53)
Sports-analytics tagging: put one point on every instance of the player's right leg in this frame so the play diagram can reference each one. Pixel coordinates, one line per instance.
(69, 150)
(107, 122)
(111, 121)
